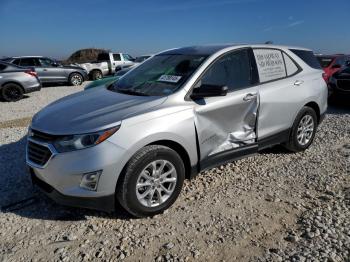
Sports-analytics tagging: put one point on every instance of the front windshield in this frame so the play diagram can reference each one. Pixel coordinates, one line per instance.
(160, 75)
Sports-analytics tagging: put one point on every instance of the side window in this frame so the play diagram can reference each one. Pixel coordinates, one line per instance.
(16, 61)
(270, 64)
(291, 67)
(116, 57)
(45, 62)
(28, 62)
(232, 70)
(126, 57)
(340, 61)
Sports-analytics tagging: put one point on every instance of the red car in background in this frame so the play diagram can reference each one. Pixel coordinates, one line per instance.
(332, 63)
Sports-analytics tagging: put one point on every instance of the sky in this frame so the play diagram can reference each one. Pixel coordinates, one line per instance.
(58, 28)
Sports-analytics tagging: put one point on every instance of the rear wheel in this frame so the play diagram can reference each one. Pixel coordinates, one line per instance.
(152, 181)
(11, 92)
(96, 75)
(303, 130)
(76, 79)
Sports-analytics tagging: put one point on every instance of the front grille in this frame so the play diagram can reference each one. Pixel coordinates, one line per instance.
(43, 136)
(38, 154)
(343, 84)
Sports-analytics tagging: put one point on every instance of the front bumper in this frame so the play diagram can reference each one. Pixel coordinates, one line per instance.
(104, 203)
(61, 175)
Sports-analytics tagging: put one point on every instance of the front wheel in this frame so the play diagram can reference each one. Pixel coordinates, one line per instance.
(151, 182)
(303, 130)
(76, 79)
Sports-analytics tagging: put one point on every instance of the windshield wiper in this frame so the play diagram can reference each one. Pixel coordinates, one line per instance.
(130, 92)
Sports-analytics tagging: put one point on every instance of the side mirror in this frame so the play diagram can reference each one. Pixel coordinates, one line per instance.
(336, 66)
(209, 91)
(55, 64)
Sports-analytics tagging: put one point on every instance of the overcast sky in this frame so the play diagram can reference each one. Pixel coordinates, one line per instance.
(58, 28)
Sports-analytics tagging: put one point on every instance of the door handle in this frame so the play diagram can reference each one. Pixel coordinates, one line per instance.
(249, 97)
(298, 82)
(44, 69)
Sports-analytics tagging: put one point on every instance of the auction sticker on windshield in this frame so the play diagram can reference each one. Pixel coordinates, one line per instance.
(169, 78)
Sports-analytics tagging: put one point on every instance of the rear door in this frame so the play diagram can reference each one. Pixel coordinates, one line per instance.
(281, 91)
(228, 122)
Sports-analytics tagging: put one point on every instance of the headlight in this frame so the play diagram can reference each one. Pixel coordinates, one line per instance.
(76, 142)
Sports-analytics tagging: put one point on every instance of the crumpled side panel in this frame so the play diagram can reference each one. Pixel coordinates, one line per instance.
(221, 130)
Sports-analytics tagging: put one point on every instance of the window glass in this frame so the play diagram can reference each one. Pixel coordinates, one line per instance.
(270, 64)
(127, 57)
(291, 67)
(116, 57)
(16, 61)
(28, 62)
(340, 61)
(160, 75)
(45, 62)
(232, 70)
(308, 57)
(2, 67)
(325, 61)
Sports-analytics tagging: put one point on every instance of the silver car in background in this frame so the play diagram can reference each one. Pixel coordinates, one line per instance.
(51, 71)
(180, 112)
(16, 81)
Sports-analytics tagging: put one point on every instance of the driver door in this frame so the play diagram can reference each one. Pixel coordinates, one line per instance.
(48, 71)
(227, 124)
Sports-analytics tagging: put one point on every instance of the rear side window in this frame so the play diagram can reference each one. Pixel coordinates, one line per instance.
(308, 57)
(116, 57)
(16, 61)
(28, 62)
(291, 67)
(2, 67)
(232, 70)
(270, 64)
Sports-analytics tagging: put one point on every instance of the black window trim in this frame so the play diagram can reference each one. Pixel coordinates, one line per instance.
(253, 71)
(300, 69)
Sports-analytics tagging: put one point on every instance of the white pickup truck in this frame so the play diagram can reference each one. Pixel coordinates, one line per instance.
(106, 64)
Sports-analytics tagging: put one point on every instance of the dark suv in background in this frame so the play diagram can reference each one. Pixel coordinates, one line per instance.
(51, 71)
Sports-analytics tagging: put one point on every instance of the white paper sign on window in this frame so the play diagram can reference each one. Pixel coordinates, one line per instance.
(270, 64)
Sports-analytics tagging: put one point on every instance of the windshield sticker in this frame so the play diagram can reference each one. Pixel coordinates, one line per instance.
(169, 78)
(270, 64)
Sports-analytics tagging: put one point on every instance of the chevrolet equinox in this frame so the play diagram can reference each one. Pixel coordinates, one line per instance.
(180, 112)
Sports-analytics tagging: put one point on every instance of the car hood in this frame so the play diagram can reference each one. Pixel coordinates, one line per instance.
(90, 111)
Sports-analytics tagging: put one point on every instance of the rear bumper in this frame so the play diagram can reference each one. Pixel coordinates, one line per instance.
(103, 203)
(32, 88)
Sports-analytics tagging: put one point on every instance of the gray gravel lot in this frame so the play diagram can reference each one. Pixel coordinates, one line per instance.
(274, 206)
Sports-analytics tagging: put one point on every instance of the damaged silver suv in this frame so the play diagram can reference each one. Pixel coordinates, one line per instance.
(180, 112)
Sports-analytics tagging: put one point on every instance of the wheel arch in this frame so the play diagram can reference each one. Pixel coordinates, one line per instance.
(315, 107)
(13, 82)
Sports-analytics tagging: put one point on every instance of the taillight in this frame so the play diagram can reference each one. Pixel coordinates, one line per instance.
(32, 73)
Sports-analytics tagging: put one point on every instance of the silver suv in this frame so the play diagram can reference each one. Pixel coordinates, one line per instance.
(180, 112)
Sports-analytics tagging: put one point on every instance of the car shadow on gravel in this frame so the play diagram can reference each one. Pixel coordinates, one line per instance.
(18, 196)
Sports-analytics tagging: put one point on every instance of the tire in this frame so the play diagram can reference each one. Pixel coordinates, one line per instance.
(76, 79)
(138, 168)
(96, 75)
(12, 92)
(301, 136)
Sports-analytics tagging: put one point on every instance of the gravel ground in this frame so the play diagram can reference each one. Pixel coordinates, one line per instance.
(274, 206)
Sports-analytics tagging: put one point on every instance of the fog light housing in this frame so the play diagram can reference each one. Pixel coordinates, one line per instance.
(90, 180)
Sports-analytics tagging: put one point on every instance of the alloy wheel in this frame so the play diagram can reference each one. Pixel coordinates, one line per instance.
(305, 130)
(156, 183)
